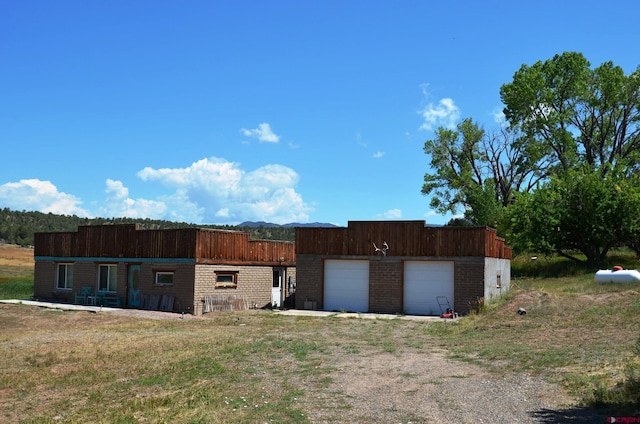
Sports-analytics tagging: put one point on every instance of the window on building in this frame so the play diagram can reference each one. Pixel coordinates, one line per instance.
(164, 278)
(108, 278)
(65, 277)
(226, 279)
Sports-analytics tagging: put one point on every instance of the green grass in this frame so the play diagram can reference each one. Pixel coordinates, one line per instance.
(16, 287)
(557, 266)
(244, 367)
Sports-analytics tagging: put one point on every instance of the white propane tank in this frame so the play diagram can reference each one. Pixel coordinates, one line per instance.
(617, 275)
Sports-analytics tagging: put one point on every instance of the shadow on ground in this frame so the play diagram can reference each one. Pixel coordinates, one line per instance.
(570, 416)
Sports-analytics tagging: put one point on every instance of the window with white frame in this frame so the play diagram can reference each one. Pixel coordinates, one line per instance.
(226, 279)
(108, 278)
(65, 277)
(164, 278)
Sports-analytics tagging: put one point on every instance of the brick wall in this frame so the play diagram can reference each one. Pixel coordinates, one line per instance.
(309, 285)
(386, 281)
(181, 289)
(254, 282)
(385, 285)
(85, 274)
(44, 281)
(468, 282)
(191, 283)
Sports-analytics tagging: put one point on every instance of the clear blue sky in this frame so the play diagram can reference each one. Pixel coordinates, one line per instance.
(218, 112)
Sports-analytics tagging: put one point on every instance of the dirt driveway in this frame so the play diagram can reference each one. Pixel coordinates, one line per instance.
(410, 387)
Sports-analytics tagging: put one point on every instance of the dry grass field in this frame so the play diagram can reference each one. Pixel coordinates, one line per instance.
(246, 367)
(15, 261)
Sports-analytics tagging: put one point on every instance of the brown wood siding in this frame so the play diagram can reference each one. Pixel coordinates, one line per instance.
(237, 247)
(127, 241)
(113, 241)
(405, 238)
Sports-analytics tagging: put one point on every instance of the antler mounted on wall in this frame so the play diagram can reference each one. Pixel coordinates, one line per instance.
(383, 249)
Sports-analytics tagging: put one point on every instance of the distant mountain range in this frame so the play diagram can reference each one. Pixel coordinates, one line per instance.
(253, 224)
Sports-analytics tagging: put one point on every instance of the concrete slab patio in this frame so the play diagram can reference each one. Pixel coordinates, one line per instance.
(293, 312)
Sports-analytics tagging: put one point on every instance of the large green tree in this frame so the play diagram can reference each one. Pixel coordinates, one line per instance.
(576, 212)
(478, 172)
(575, 115)
(569, 125)
(585, 123)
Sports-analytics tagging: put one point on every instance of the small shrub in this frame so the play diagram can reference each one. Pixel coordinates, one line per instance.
(476, 306)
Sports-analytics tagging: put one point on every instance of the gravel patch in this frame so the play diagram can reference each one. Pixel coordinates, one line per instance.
(432, 388)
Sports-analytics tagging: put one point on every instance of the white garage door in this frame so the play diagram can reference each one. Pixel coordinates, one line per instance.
(346, 285)
(423, 283)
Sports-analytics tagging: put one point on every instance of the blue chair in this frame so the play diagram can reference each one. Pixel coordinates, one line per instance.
(82, 297)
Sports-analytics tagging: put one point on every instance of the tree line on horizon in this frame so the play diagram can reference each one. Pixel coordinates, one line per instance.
(18, 227)
(562, 173)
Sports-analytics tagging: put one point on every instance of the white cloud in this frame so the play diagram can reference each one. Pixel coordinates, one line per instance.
(206, 174)
(498, 117)
(116, 189)
(443, 114)
(42, 196)
(430, 214)
(262, 133)
(378, 155)
(223, 213)
(218, 189)
(209, 191)
(119, 204)
(391, 214)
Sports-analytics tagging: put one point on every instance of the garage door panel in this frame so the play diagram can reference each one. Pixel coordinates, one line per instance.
(424, 282)
(346, 285)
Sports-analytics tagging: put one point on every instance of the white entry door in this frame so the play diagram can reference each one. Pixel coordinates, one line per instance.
(346, 285)
(424, 282)
(276, 288)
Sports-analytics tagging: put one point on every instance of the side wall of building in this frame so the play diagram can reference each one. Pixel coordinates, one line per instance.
(310, 285)
(468, 282)
(291, 283)
(44, 282)
(497, 277)
(191, 283)
(254, 282)
(85, 274)
(181, 289)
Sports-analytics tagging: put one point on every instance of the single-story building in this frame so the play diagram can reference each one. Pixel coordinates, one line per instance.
(399, 267)
(191, 270)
